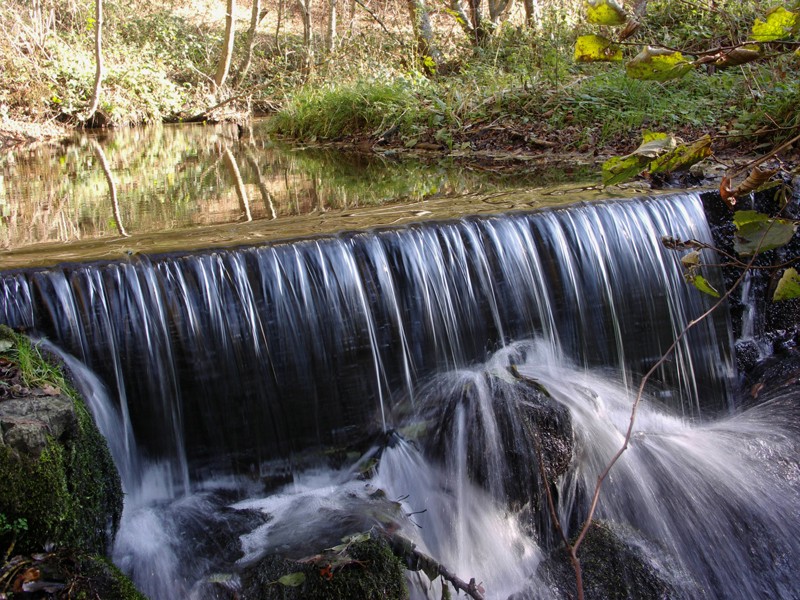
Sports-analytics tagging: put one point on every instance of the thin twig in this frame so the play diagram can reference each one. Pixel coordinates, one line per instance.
(640, 394)
(753, 164)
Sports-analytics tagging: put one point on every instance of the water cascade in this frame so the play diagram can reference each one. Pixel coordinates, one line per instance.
(232, 370)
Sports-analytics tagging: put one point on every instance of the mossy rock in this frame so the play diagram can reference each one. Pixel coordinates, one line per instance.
(68, 574)
(68, 491)
(612, 569)
(370, 572)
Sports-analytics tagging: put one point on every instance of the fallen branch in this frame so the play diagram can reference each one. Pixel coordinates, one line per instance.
(406, 550)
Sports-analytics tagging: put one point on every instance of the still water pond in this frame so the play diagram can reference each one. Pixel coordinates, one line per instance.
(200, 186)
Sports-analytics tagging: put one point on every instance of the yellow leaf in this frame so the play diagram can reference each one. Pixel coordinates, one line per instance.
(683, 156)
(657, 64)
(596, 48)
(604, 12)
(780, 24)
(788, 287)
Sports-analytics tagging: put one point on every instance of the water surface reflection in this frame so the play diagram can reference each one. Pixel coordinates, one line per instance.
(194, 186)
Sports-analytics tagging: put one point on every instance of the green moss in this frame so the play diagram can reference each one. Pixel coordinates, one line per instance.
(373, 574)
(96, 577)
(613, 567)
(71, 494)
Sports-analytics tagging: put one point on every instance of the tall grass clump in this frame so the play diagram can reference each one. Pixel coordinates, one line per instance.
(402, 105)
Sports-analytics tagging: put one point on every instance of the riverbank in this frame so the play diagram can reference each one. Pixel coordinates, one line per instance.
(517, 93)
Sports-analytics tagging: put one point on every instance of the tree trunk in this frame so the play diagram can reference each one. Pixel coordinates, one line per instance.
(498, 10)
(224, 65)
(457, 6)
(533, 13)
(98, 58)
(278, 24)
(255, 18)
(479, 28)
(332, 7)
(308, 34)
(426, 49)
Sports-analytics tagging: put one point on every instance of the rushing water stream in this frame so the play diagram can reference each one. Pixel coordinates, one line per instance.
(235, 385)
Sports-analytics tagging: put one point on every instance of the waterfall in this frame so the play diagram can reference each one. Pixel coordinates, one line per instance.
(228, 373)
(226, 360)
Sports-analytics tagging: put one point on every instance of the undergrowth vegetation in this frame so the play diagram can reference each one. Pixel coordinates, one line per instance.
(520, 84)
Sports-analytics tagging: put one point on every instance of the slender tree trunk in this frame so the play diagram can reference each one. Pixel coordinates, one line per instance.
(308, 34)
(332, 10)
(423, 34)
(255, 18)
(278, 24)
(480, 31)
(224, 65)
(498, 10)
(457, 6)
(533, 13)
(98, 59)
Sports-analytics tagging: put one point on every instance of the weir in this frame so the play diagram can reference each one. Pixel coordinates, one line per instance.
(217, 374)
(226, 360)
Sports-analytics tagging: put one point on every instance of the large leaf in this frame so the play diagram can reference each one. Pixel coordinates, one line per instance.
(657, 64)
(788, 287)
(780, 24)
(596, 48)
(622, 168)
(757, 232)
(604, 12)
(683, 156)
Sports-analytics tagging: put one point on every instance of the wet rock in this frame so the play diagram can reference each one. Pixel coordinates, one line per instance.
(26, 424)
(367, 570)
(747, 355)
(616, 565)
(57, 473)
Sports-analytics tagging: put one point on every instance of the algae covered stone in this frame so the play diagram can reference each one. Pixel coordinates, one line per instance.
(57, 472)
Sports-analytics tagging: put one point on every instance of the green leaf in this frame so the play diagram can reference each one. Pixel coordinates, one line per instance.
(788, 287)
(702, 284)
(6, 345)
(596, 48)
(780, 24)
(757, 232)
(293, 579)
(657, 64)
(683, 156)
(622, 168)
(744, 217)
(604, 12)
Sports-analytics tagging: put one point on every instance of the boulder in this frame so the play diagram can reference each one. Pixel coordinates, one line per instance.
(366, 569)
(58, 475)
(616, 565)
